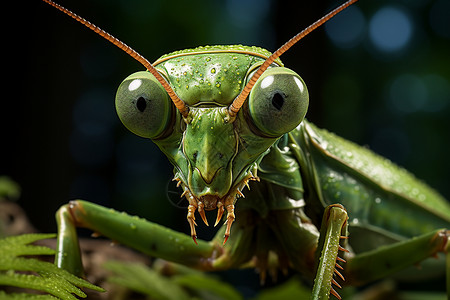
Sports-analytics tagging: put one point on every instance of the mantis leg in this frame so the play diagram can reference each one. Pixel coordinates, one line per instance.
(371, 265)
(137, 233)
(386, 260)
(332, 231)
(68, 254)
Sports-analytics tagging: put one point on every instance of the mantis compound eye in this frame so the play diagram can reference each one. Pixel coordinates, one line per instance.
(278, 102)
(143, 105)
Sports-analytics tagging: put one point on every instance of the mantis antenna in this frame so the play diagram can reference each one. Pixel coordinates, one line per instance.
(240, 99)
(179, 104)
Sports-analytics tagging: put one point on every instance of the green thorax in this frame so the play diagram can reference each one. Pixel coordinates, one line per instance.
(210, 74)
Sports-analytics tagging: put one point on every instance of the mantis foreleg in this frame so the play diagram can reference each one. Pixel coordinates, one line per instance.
(144, 236)
(386, 260)
(372, 265)
(333, 229)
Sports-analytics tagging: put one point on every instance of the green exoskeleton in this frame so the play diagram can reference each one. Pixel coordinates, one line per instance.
(228, 115)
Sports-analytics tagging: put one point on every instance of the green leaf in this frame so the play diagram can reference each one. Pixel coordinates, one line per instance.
(292, 289)
(22, 296)
(140, 278)
(207, 284)
(39, 275)
(186, 285)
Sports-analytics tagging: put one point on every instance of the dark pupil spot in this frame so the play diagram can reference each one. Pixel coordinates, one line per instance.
(141, 104)
(194, 156)
(277, 101)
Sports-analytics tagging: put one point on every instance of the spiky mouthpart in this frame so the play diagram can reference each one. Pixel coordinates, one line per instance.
(211, 202)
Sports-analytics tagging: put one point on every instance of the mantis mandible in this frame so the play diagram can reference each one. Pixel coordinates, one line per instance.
(231, 118)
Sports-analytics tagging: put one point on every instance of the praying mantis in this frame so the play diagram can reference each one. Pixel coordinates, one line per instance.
(295, 187)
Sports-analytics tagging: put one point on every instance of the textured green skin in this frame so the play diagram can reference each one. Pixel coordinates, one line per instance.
(385, 202)
(212, 74)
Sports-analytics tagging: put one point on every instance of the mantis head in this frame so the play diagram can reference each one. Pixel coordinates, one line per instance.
(214, 111)
(214, 153)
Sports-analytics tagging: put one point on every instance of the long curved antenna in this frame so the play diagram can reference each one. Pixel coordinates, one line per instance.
(184, 110)
(240, 99)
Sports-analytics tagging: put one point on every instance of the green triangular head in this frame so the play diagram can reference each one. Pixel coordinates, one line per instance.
(214, 155)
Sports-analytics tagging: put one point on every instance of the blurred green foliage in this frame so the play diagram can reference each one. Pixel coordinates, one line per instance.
(9, 189)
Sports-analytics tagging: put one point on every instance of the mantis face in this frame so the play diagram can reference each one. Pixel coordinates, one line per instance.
(214, 153)
(213, 144)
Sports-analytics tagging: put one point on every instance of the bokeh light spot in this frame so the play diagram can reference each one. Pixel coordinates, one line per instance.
(346, 29)
(390, 29)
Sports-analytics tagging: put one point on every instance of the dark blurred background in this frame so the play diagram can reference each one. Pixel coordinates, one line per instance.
(378, 74)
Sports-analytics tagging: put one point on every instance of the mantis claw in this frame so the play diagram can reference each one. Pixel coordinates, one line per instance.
(201, 212)
(336, 294)
(220, 211)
